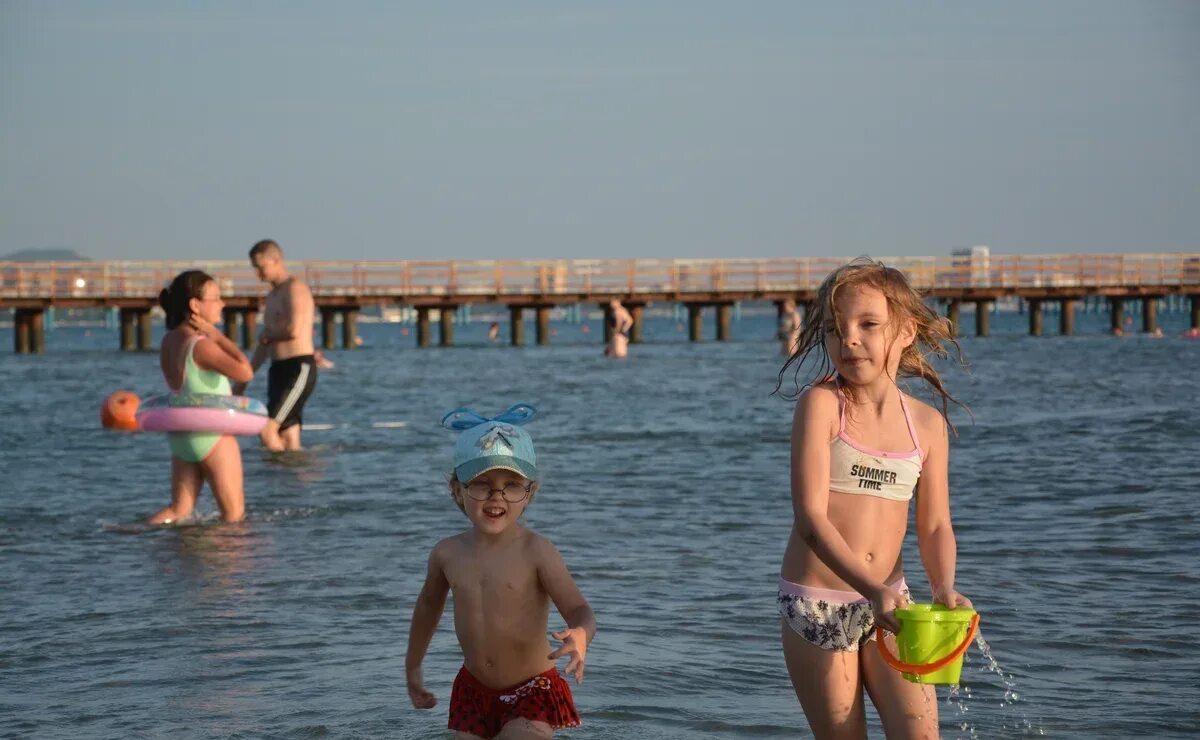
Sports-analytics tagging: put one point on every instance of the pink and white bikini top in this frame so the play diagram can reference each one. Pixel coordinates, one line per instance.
(856, 468)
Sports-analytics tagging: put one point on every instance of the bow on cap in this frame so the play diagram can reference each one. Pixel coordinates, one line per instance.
(462, 419)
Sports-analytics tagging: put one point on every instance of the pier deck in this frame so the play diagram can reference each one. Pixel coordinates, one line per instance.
(341, 288)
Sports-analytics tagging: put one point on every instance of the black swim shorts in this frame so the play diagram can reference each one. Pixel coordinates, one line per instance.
(289, 384)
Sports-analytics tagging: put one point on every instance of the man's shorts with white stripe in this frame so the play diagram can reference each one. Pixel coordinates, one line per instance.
(289, 384)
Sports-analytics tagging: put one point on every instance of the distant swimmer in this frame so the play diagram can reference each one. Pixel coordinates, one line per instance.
(790, 324)
(197, 358)
(493, 331)
(620, 321)
(504, 577)
(287, 339)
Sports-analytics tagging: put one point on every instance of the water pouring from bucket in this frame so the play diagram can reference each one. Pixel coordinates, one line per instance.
(931, 642)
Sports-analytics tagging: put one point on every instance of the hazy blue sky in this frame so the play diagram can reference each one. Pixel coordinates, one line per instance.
(572, 129)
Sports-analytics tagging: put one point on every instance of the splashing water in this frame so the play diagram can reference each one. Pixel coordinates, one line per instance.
(960, 695)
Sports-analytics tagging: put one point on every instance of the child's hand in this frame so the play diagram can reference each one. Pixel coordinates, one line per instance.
(574, 643)
(951, 598)
(421, 699)
(884, 603)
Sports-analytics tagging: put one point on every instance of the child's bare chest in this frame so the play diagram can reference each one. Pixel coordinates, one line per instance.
(495, 579)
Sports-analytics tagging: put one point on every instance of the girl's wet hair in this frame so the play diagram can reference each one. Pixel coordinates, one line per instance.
(934, 333)
(175, 298)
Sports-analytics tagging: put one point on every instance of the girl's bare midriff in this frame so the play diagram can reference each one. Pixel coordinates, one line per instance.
(873, 528)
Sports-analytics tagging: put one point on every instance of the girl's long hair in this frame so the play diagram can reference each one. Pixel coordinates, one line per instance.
(934, 333)
(175, 298)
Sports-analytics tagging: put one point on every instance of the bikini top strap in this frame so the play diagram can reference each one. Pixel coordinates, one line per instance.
(912, 429)
(837, 383)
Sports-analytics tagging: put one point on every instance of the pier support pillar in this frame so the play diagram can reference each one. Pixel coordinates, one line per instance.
(1149, 313)
(249, 328)
(952, 311)
(20, 332)
(608, 322)
(423, 333)
(229, 318)
(328, 328)
(350, 328)
(29, 331)
(447, 326)
(724, 322)
(543, 324)
(128, 342)
(1066, 318)
(1195, 312)
(144, 335)
(983, 315)
(1035, 317)
(516, 325)
(695, 322)
(37, 331)
(636, 310)
(1117, 306)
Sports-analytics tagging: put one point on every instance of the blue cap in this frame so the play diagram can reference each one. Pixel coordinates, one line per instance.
(497, 443)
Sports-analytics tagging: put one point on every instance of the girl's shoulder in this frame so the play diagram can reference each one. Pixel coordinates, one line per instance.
(823, 392)
(928, 420)
(819, 401)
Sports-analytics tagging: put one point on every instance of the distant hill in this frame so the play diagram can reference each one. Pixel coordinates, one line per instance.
(54, 254)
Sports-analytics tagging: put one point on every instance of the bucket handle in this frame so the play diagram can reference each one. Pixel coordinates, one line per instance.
(921, 670)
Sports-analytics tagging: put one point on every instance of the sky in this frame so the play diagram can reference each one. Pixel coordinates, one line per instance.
(514, 130)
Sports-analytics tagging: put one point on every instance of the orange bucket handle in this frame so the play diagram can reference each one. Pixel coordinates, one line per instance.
(921, 670)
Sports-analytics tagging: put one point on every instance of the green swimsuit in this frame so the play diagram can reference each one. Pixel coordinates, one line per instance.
(193, 447)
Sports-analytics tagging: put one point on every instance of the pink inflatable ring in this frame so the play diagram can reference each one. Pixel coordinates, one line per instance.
(202, 412)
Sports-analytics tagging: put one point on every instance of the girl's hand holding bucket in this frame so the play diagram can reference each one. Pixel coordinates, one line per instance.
(951, 598)
(884, 604)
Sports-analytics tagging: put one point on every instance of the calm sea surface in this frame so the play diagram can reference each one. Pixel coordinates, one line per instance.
(1074, 493)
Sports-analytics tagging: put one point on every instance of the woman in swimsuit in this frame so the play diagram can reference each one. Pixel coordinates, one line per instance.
(197, 358)
(860, 449)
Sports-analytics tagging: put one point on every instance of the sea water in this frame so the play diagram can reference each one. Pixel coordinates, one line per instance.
(1074, 496)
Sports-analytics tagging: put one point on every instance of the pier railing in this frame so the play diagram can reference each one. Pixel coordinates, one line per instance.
(400, 278)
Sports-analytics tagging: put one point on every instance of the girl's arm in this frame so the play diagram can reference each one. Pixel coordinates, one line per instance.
(426, 615)
(221, 354)
(935, 535)
(581, 621)
(813, 426)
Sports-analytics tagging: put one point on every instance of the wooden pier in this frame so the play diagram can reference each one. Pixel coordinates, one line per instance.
(341, 289)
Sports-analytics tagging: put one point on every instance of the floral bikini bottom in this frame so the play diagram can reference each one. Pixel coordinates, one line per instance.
(830, 619)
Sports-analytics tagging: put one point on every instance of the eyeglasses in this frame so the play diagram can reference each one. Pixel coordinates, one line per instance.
(513, 493)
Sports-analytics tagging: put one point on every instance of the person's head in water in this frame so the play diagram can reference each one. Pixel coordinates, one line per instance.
(893, 330)
(191, 292)
(267, 259)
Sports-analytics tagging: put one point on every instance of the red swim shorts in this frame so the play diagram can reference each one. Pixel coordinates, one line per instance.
(482, 711)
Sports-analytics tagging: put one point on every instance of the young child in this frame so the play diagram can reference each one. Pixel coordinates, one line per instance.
(197, 358)
(503, 577)
(860, 448)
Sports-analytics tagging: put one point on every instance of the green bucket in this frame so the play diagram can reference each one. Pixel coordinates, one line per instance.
(931, 642)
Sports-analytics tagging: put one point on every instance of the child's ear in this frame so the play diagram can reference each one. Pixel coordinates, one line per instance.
(908, 332)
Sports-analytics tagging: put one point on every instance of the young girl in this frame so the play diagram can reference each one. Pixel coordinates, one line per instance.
(860, 449)
(197, 358)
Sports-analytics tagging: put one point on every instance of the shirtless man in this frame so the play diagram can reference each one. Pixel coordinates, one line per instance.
(621, 322)
(287, 339)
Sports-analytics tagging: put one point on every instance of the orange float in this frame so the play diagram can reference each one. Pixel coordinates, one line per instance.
(119, 411)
